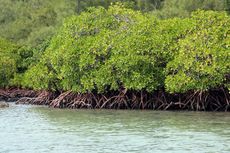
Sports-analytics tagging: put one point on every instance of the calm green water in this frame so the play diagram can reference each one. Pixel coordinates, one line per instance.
(31, 129)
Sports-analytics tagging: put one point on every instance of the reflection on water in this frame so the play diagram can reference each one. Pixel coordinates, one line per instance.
(29, 129)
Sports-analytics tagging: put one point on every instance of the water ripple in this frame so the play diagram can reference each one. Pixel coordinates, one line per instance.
(29, 129)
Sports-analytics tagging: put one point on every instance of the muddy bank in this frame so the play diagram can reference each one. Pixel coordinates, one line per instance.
(212, 100)
(3, 104)
(14, 94)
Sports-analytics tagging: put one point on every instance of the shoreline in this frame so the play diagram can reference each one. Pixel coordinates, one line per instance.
(212, 100)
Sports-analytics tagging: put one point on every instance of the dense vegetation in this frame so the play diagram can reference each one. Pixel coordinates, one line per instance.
(30, 22)
(120, 50)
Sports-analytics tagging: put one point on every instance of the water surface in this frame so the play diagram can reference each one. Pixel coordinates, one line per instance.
(32, 129)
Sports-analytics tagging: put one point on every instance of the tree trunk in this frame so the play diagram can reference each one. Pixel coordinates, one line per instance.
(78, 6)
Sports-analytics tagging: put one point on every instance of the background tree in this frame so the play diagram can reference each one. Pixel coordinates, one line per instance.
(183, 8)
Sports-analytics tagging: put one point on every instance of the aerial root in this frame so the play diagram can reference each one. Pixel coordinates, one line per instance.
(42, 98)
(213, 100)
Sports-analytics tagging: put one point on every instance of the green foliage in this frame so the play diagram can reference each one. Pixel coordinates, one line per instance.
(203, 58)
(15, 60)
(7, 62)
(29, 22)
(113, 47)
(102, 50)
(140, 52)
(75, 53)
(39, 77)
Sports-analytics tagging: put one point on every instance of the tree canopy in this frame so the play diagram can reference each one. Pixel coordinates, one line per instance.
(108, 49)
(136, 45)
